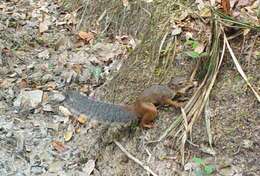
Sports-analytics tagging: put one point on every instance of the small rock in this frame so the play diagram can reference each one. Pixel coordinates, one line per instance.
(89, 167)
(10, 92)
(54, 126)
(64, 111)
(29, 98)
(56, 97)
(55, 167)
(47, 108)
(60, 119)
(37, 170)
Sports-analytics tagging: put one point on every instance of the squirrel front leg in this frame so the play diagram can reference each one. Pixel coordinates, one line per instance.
(168, 101)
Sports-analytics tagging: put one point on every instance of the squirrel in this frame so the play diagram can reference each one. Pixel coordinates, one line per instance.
(143, 109)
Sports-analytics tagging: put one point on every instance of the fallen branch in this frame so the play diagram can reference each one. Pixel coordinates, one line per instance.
(129, 155)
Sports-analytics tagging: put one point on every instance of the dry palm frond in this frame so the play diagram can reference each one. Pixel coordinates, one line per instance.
(232, 22)
(196, 104)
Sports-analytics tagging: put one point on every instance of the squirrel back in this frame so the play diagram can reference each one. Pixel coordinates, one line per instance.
(156, 94)
(97, 110)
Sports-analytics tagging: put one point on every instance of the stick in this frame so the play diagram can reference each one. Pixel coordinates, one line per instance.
(129, 155)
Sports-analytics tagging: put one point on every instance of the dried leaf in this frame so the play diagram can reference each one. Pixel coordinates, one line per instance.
(59, 146)
(68, 135)
(225, 4)
(205, 12)
(86, 36)
(77, 130)
(82, 118)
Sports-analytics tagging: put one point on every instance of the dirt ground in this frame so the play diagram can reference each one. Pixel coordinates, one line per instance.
(41, 57)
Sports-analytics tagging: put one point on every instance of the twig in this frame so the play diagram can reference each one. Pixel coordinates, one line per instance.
(149, 154)
(129, 155)
(207, 120)
(184, 137)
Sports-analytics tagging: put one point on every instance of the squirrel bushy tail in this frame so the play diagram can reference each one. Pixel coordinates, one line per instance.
(97, 110)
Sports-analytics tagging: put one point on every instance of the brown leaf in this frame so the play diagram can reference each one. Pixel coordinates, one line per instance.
(23, 83)
(225, 4)
(86, 36)
(59, 146)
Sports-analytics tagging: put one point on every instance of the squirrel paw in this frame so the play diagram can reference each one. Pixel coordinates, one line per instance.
(179, 104)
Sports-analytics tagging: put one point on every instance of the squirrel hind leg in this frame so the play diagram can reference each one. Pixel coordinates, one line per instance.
(150, 113)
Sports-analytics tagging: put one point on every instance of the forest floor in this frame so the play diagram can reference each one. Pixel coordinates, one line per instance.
(42, 55)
